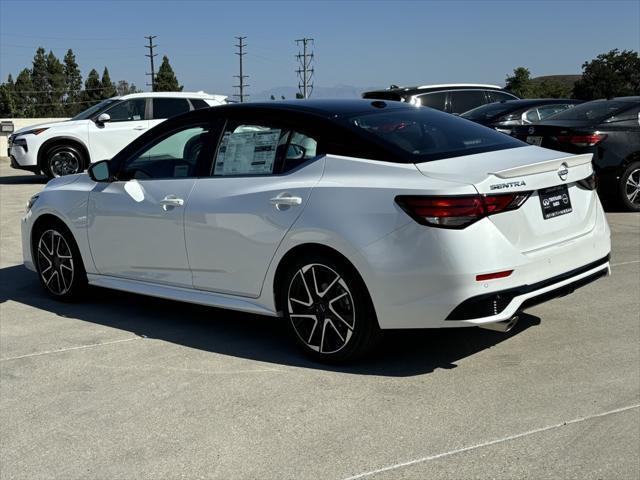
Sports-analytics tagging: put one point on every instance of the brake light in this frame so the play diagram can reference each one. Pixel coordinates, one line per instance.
(458, 211)
(581, 140)
(589, 183)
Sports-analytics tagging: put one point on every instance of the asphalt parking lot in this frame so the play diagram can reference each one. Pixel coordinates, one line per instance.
(124, 386)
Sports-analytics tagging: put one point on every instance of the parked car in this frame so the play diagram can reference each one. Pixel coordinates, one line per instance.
(344, 216)
(505, 115)
(67, 147)
(451, 98)
(607, 129)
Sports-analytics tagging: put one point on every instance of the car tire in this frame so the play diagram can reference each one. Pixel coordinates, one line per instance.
(58, 262)
(327, 309)
(61, 160)
(629, 188)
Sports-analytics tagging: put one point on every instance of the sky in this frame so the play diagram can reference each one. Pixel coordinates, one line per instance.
(359, 43)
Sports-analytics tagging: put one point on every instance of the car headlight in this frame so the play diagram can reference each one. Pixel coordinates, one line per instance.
(30, 203)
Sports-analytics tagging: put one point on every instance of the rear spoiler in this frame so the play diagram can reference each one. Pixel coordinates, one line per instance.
(546, 166)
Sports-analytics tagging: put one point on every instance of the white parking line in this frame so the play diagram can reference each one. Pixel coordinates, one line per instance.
(492, 442)
(625, 263)
(46, 352)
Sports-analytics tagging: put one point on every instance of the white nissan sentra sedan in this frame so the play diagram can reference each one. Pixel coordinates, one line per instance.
(344, 217)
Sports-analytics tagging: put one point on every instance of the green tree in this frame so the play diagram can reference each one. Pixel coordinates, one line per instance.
(7, 105)
(92, 89)
(41, 92)
(552, 89)
(108, 87)
(73, 85)
(124, 88)
(612, 74)
(520, 83)
(23, 95)
(166, 80)
(57, 87)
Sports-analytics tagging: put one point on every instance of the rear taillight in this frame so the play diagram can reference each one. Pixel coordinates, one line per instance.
(460, 211)
(581, 140)
(589, 183)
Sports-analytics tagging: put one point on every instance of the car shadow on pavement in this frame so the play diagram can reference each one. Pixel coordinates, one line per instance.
(23, 180)
(401, 353)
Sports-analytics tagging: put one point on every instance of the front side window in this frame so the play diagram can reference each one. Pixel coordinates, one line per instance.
(421, 135)
(174, 156)
(254, 149)
(464, 100)
(127, 110)
(169, 107)
(93, 110)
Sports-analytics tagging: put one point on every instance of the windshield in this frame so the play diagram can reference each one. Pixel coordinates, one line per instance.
(424, 134)
(485, 112)
(591, 111)
(91, 111)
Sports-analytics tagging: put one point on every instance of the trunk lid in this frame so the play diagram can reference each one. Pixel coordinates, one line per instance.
(535, 170)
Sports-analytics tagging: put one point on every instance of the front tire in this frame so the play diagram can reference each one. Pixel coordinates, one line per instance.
(327, 309)
(58, 262)
(629, 188)
(61, 160)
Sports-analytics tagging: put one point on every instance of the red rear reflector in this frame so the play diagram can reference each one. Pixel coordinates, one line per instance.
(491, 276)
(582, 140)
(460, 211)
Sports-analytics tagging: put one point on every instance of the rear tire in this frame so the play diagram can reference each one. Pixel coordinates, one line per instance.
(58, 262)
(61, 160)
(327, 309)
(629, 188)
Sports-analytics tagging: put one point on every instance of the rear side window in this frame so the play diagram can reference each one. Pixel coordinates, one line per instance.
(258, 149)
(549, 110)
(464, 100)
(500, 96)
(198, 103)
(421, 135)
(169, 107)
(435, 100)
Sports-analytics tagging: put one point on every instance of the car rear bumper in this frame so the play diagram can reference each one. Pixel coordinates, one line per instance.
(421, 277)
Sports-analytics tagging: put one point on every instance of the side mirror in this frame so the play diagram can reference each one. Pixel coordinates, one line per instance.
(103, 118)
(100, 171)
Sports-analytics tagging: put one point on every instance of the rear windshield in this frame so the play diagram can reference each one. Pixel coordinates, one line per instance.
(491, 110)
(423, 134)
(596, 111)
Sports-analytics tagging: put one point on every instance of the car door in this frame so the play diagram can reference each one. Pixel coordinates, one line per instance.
(136, 223)
(128, 121)
(260, 182)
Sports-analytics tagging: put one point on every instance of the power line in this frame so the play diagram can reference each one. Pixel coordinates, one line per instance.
(241, 85)
(305, 72)
(151, 46)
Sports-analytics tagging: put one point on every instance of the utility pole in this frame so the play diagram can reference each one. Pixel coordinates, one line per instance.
(305, 72)
(151, 46)
(241, 85)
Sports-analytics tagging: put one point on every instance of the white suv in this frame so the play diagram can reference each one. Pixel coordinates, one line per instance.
(98, 133)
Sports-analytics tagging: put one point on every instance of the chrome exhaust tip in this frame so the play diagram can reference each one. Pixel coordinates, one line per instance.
(503, 326)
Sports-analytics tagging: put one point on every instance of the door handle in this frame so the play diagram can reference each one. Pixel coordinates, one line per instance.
(171, 201)
(285, 200)
(140, 128)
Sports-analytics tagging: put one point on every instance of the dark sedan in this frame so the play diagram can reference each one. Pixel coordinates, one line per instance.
(505, 115)
(610, 130)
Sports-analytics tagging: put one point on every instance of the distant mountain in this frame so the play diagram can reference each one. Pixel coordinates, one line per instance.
(337, 91)
(567, 80)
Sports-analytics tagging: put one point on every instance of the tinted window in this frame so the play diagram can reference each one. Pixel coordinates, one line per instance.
(198, 103)
(174, 156)
(424, 134)
(532, 115)
(549, 110)
(625, 116)
(597, 110)
(434, 100)
(486, 112)
(127, 110)
(464, 100)
(500, 96)
(169, 107)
